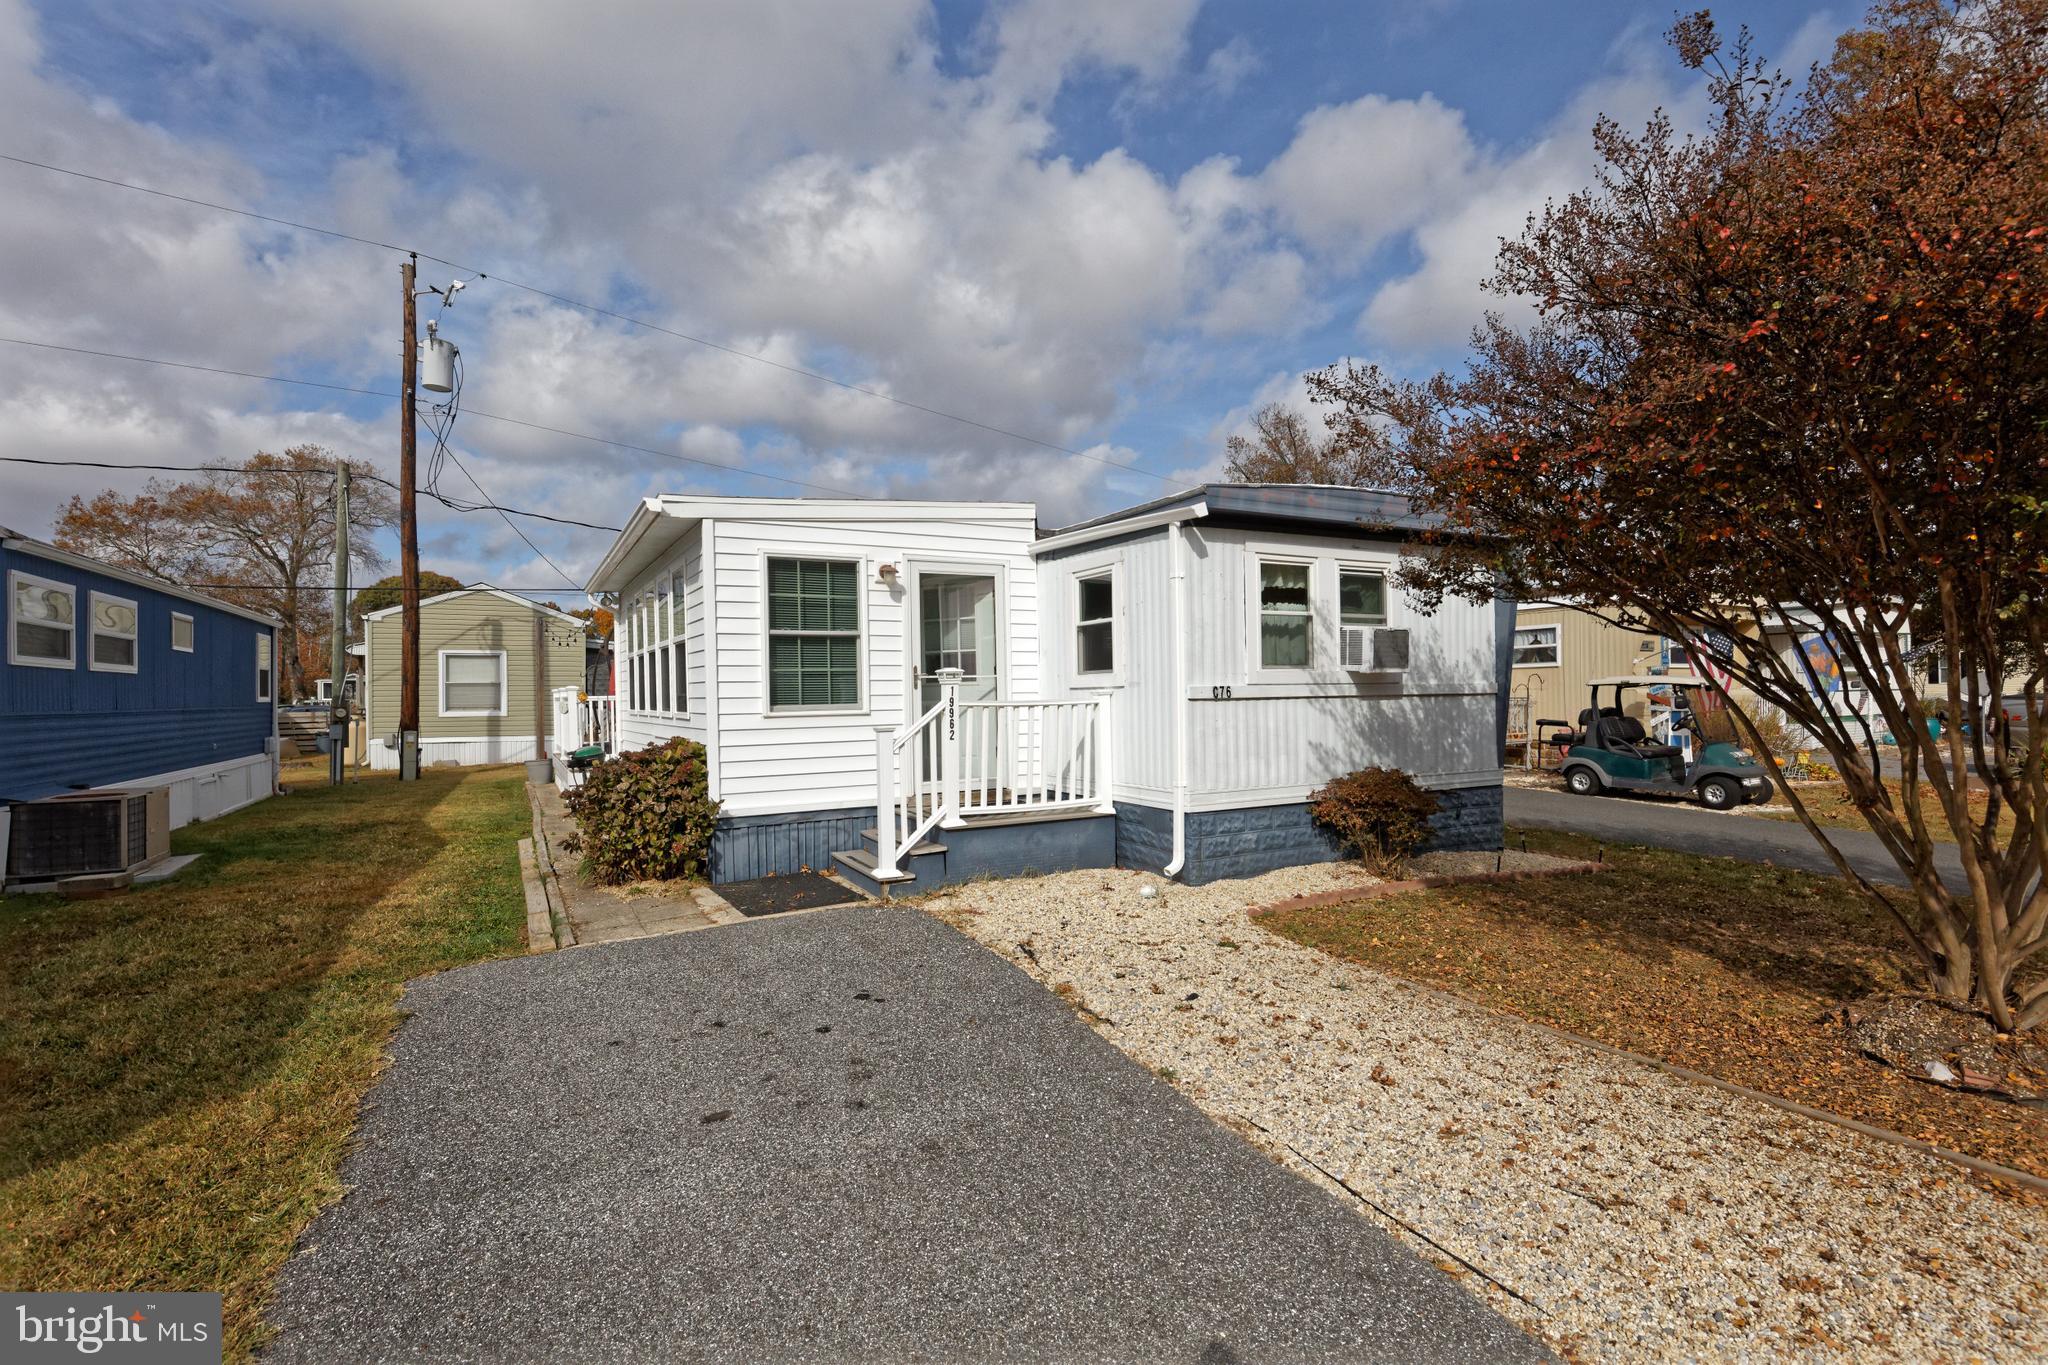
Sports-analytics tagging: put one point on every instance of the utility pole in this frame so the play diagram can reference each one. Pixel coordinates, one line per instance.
(408, 541)
(337, 705)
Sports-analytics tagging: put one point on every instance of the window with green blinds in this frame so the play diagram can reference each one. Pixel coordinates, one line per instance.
(813, 632)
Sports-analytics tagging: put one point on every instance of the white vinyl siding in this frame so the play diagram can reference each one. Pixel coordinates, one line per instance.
(1263, 736)
(472, 682)
(42, 621)
(775, 760)
(115, 646)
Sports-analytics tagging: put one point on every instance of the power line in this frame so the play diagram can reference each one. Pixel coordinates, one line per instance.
(600, 311)
(223, 208)
(473, 412)
(451, 503)
(443, 429)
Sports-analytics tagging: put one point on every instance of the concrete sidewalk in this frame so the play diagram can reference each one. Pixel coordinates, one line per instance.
(608, 914)
(845, 1135)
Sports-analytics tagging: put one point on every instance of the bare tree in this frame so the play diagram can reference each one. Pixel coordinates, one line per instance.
(1284, 449)
(259, 534)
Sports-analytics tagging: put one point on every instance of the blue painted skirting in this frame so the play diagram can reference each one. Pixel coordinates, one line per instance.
(1255, 839)
(1221, 843)
(748, 846)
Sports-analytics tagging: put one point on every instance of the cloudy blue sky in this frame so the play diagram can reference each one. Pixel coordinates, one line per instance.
(1116, 228)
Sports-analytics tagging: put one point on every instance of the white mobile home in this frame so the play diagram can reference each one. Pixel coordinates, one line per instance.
(1159, 688)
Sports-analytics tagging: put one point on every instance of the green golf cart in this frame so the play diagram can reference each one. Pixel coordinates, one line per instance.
(1612, 752)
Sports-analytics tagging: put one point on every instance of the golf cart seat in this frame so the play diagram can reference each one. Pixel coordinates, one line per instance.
(1625, 734)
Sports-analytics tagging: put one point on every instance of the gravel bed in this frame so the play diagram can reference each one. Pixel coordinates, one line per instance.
(1634, 1214)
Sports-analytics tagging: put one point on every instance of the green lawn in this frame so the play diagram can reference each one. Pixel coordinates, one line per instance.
(180, 1067)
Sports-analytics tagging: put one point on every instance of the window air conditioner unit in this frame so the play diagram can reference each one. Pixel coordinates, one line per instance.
(1354, 647)
(88, 833)
(1372, 649)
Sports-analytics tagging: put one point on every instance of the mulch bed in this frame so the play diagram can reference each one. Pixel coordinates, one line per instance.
(1738, 971)
(779, 895)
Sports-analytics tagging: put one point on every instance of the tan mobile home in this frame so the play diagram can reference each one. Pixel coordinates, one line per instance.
(479, 653)
(1559, 650)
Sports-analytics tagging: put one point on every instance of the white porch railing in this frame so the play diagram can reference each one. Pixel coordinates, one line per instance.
(579, 721)
(966, 759)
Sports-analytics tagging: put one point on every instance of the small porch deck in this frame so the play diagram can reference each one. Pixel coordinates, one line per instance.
(947, 784)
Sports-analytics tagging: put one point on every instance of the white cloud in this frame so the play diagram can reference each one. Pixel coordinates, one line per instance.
(1439, 302)
(798, 179)
(1227, 66)
(1357, 173)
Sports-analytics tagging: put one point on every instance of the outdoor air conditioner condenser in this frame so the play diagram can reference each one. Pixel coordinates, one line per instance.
(89, 833)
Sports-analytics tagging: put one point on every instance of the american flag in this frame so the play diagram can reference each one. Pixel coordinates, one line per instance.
(1718, 645)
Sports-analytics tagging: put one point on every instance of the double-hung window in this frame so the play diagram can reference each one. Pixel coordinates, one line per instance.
(1536, 646)
(113, 635)
(472, 682)
(181, 632)
(1286, 619)
(813, 633)
(42, 621)
(1361, 597)
(1095, 625)
(262, 665)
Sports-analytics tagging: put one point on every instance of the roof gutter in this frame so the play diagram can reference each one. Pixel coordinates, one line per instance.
(1088, 535)
(645, 515)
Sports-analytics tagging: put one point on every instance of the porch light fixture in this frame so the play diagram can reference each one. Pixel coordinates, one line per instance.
(887, 573)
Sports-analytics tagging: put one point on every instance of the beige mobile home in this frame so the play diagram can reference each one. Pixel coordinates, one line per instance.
(483, 687)
(1559, 650)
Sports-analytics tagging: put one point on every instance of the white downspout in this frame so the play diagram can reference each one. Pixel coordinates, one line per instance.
(1177, 560)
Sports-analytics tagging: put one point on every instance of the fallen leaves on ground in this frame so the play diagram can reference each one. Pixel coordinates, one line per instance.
(1736, 970)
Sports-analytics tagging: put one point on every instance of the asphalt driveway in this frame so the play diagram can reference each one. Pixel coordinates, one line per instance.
(1691, 829)
(844, 1135)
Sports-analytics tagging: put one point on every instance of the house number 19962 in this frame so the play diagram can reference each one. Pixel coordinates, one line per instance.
(1220, 692)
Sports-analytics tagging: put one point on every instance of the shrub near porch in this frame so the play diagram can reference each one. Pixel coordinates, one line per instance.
(645, 815)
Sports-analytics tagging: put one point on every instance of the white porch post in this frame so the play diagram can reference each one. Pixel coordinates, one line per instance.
(949, 745)
(885, 801)
(1105, 754)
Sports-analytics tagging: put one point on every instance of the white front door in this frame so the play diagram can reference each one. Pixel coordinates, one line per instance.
(957, 629)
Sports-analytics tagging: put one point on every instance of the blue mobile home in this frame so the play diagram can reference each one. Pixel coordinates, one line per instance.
(115, 679)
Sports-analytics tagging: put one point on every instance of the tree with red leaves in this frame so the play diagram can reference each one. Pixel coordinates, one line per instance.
(1793, 371)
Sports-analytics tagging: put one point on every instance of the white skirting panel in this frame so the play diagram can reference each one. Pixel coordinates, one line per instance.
(214, 789)
(472, 751)
(196, 793)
